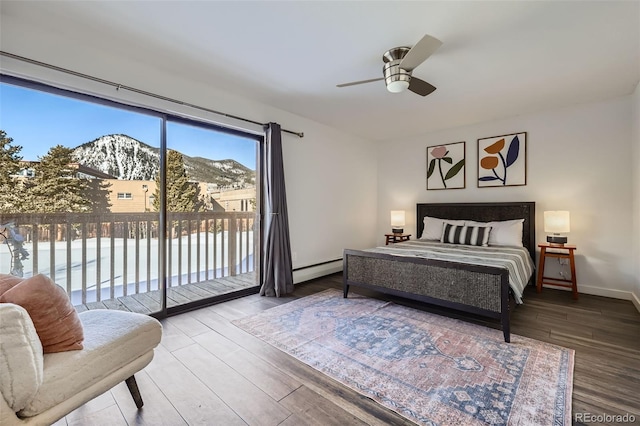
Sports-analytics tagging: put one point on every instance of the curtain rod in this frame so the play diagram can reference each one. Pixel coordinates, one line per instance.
(133, 89)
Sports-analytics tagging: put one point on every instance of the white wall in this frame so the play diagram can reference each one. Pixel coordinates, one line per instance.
(635, 164)
(330, 176)
(578, 159)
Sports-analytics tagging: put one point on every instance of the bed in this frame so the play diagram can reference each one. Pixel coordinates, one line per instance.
(482, 286)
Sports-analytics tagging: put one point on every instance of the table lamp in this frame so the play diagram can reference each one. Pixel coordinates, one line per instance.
(556, 222)
(397, 220)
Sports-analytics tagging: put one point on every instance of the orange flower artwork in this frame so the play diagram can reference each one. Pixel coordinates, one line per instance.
(497, 159)
(495, 147)
(489, 163)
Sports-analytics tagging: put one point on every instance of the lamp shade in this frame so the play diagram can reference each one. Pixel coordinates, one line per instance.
(397, 217)
(556, 222)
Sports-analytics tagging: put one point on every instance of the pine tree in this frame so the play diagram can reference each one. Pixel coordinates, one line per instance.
(11, 188)
(182, 195)
(55, 187)
(98, 195)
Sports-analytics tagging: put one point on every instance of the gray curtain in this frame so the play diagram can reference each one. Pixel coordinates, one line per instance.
(277, 270)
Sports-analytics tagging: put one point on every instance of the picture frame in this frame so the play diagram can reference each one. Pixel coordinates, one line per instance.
(446, 166)
(502, 160)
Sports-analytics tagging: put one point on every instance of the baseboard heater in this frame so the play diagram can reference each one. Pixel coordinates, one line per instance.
(301, 268)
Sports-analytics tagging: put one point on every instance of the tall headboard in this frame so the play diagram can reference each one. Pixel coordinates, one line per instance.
(484, 212)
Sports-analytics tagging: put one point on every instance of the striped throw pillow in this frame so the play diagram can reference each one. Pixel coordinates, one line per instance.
(469, 235)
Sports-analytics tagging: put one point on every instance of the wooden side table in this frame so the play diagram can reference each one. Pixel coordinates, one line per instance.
(396, 238)
(566, 253)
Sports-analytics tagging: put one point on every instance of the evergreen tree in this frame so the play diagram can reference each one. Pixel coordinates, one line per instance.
(182, 195)
(98, 195)
(11, 188)
(55, 187)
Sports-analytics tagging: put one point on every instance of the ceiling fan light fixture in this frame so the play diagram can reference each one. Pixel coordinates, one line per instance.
(397, 86)
(399, 63)
(396, 79)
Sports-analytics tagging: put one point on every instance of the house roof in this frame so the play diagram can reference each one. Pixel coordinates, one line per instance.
(80, 168)
(498, 59)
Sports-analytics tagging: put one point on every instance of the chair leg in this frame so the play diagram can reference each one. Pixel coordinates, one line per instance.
(135, 392)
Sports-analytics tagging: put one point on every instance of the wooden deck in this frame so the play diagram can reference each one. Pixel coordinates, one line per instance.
(146, 303)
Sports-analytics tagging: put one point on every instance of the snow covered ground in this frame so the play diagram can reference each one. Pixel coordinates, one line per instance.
(136, 254)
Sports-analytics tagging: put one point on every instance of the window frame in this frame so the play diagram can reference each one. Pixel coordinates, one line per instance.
(166, 117)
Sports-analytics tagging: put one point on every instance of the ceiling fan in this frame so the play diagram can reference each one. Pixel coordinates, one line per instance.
(399, 62)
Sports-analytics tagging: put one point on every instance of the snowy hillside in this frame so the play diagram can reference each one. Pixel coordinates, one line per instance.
(121, 156)
(129, 159)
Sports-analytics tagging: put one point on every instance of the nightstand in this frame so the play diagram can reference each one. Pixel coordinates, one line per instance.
(396, 238)
(561, 252)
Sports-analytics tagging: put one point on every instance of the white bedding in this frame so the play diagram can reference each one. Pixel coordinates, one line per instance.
(515, 259)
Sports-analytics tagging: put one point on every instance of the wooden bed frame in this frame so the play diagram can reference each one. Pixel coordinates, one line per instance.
(482, 290)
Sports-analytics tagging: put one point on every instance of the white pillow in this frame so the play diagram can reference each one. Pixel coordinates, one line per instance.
(21, 363)
(503, 232)
(433, 227)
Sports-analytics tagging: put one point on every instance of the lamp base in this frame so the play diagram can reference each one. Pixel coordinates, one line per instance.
(556, 239)
(397, 230)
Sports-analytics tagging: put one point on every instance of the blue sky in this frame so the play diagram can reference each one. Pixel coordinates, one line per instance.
(38, 120)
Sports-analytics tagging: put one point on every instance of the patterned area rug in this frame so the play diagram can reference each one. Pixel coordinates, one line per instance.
(431, 369)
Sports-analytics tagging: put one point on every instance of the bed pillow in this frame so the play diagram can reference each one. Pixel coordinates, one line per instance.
(468, 235)
(504, 232)
(56, 320)
(433, 227)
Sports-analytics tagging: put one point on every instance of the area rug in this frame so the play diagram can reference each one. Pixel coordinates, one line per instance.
(430, 369)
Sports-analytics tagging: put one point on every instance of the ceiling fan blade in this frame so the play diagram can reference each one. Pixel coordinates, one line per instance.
(353, 83)
(420, 87)
(420, 52)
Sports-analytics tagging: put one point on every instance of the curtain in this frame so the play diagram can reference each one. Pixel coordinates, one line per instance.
(277, 275)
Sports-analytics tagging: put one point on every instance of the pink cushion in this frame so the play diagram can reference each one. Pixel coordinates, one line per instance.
(51, 311)
(7, 282)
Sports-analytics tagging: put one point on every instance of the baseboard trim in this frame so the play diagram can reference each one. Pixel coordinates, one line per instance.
(636, 300)
(316, 271)
(606, 292)
(599, 291)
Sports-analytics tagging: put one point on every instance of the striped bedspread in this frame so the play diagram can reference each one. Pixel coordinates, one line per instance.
(515, 259)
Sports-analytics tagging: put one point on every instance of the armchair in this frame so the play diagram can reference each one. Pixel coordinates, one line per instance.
(39, 389)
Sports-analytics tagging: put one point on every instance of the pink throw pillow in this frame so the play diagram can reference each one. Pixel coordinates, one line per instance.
(54, 317)
(7, 282)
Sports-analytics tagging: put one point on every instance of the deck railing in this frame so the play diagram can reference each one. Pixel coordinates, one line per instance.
(102, 256)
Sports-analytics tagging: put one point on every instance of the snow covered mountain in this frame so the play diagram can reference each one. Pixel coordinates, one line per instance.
(121, 156)
(127, 158)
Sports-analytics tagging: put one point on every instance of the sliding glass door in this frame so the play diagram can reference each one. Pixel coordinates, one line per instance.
(117, 203)
(211, 213)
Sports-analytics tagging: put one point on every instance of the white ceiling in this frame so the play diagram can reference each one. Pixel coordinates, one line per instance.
(499, 59)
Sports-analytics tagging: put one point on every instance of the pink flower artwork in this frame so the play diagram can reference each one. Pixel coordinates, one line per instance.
(449, 161)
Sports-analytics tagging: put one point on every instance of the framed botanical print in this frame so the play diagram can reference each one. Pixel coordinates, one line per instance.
(502, 160)
(446, 166)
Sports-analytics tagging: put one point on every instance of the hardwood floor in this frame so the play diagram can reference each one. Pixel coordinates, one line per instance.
(209, 372)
